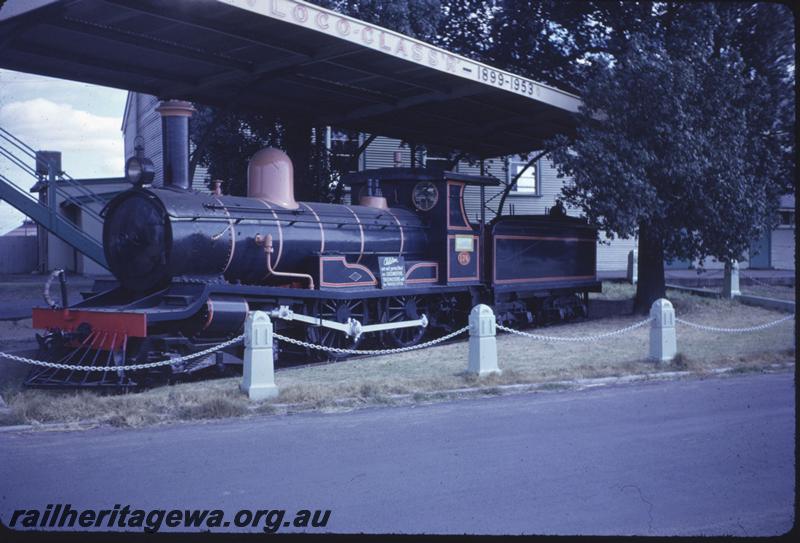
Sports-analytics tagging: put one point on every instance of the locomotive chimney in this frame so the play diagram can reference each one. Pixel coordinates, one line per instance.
(270, 177)
(175, 142)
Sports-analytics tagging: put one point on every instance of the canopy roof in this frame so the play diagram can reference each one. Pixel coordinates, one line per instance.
(289, 57)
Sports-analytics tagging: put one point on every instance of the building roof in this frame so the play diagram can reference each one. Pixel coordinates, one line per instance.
(27, 228)
(288, 57)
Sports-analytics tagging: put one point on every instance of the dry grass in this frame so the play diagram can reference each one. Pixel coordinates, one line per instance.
(614, 290)
(209, 401)
(422, 375)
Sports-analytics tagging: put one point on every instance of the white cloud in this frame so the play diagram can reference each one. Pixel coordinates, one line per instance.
(91, 145)
(18, 86)
(42, 122)
(80, 120)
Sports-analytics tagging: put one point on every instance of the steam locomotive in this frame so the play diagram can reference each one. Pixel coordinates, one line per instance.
(402, 265)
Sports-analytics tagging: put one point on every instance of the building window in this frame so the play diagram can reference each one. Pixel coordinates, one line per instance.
(528, 182)
(438, 158)
(787, 218)
(343, 145)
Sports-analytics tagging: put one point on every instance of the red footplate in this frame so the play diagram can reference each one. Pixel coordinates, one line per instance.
(107, 327)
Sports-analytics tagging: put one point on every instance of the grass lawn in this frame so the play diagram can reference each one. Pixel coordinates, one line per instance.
(421, 374)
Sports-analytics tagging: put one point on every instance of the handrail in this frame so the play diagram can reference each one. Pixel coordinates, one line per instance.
(60, 184)
(88, 210)
(17, 161)
(60, 176)
(15, 187)
(18, 143)
(59, 190)
(52, 221)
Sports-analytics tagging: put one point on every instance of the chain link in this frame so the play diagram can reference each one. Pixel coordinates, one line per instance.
(374, 351)
(223, 345)
(585, 338)
(179, 359)
(758, 281)
(711, 274)
(149, 365)
(734, 330)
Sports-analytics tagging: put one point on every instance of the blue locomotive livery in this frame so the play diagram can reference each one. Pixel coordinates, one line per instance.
(401, 265)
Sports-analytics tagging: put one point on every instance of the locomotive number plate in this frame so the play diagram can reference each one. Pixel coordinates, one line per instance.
(465, 244)
(392, 270)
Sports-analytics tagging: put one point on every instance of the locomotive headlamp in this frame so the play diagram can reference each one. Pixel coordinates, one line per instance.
(139, 171)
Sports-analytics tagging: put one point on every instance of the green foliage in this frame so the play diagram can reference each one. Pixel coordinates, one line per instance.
(466, 27)
(225, 140)
(688, 130)
(696, 140)
(557, 41)
(323, 176)
(417, 18)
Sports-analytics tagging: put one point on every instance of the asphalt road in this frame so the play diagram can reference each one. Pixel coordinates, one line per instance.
(711, 456)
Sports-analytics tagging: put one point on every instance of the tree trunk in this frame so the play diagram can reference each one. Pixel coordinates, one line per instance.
(650, 286)
(297, 143)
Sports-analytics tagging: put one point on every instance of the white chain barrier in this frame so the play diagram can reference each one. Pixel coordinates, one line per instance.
(594, 337)
(132, 367)
(735, 330)
(179, 359)
(237, 339)
(373, 351)
(711, 274)
(758, 281)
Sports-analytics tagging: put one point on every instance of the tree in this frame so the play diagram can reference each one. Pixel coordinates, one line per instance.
(466, 28)
(416, 18)
(557, 41)
(682, 139)
(224, 140)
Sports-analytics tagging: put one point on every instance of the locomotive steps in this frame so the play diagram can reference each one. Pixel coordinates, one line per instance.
(437, 373)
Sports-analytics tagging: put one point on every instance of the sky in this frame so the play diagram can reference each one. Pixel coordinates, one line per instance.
(82, 121)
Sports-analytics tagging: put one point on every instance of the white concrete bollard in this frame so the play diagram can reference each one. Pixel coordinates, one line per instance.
(482, 341)
(633, 266)
(663, 342)
(258, 374)
(730, 284)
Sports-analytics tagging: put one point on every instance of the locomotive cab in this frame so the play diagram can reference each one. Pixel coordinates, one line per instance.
(453, 256)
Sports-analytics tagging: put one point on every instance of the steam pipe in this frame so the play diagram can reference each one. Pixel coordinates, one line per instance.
(267, 244)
